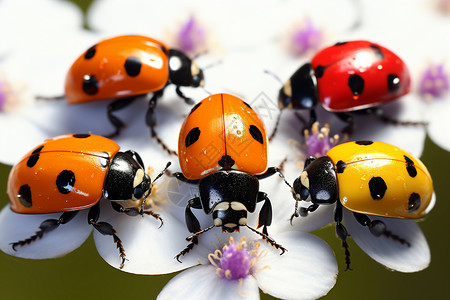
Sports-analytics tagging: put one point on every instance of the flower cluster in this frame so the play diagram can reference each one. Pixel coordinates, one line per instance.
(147, 234)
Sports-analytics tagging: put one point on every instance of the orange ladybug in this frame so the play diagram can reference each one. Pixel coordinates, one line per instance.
(72, 172)
(126, 67)
(223, 149)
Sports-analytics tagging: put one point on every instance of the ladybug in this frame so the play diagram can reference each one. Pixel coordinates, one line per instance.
(72, 172)
(347, 77)
(223, 149)
(125, 68)
(368, 178)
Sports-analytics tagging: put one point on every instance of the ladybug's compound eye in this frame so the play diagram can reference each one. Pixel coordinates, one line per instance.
(301, 187)
(138, 193)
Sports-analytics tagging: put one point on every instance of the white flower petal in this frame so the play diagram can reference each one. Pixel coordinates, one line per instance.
(148, 248)
(202, 282)
(388, 252)
(307, 271)
(147, 18)
(62, 240)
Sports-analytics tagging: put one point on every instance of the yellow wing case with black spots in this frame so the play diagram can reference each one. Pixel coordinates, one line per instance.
(65, 173)
(379, 179)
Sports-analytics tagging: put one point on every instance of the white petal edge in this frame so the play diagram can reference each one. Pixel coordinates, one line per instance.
(388, 252)
(149, 249)
(202, 282)
(62, 240)
(307, 271)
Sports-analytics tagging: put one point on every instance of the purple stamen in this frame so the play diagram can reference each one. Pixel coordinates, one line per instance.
(305, 39)
(434, 82)
(3, 96)
(235, 261)
(191, 36)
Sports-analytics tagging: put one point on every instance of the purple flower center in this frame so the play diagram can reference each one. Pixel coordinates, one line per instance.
(235, 261)
(3, 96)
(191, 36)
(434, 82)
(305, 39)
(318, 142)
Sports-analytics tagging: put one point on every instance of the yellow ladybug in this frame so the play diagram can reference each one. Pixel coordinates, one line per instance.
(369, 178)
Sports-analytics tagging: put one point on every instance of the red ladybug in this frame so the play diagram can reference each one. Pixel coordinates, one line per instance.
(126, 67)
(346, 77)
(72, 172)
(223, 149)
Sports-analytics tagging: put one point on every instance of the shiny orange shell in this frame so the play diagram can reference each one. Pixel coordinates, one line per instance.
(222, 132)
(118, 67)
(64, 173)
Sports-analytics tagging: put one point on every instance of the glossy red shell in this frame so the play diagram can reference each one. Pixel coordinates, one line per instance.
(222, 128)
(64, 173)
(118, 67)
(357, 75)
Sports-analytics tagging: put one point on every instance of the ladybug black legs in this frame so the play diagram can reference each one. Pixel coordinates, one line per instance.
(342, 233)
(134, 211)
(348, 129)
(105, 229)
(45, 227)
(193, 226)
(264, 220)
(379, 113)
(378, 228)
(181, 95)
(150, 119)
(115, 106)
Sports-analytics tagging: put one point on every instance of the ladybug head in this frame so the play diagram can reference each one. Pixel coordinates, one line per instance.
(317, 183)
(183, 71)
(126, 178)
(230, 215)
(300, 91)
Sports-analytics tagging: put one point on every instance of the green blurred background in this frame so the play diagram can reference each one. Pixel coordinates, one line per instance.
(84, 274)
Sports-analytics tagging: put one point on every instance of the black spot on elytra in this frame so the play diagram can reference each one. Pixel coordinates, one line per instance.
(377, 188)
(90, 84)
(24, 195)
(364, 143)
(226, 162)
(413, 202)
(90, 52)
(65, 181)
(248, 105)
(319, 71)
(356, 84)
(133, 66)
(340, 43)
(340, 166)
(410, 168)
(192, 136)
(256, 134)
(377, 50)
(195, 107)
(393, 83)
(81, 135)
(34, 157)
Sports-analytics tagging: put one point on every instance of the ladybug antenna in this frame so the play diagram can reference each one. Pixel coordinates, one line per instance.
(162, 172)
(212, 65)
(208, 92)
(151, 186)
(200, 54)
(273, 75)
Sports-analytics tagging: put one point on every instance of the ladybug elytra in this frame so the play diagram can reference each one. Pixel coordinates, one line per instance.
(72, 172)
(346, 77)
